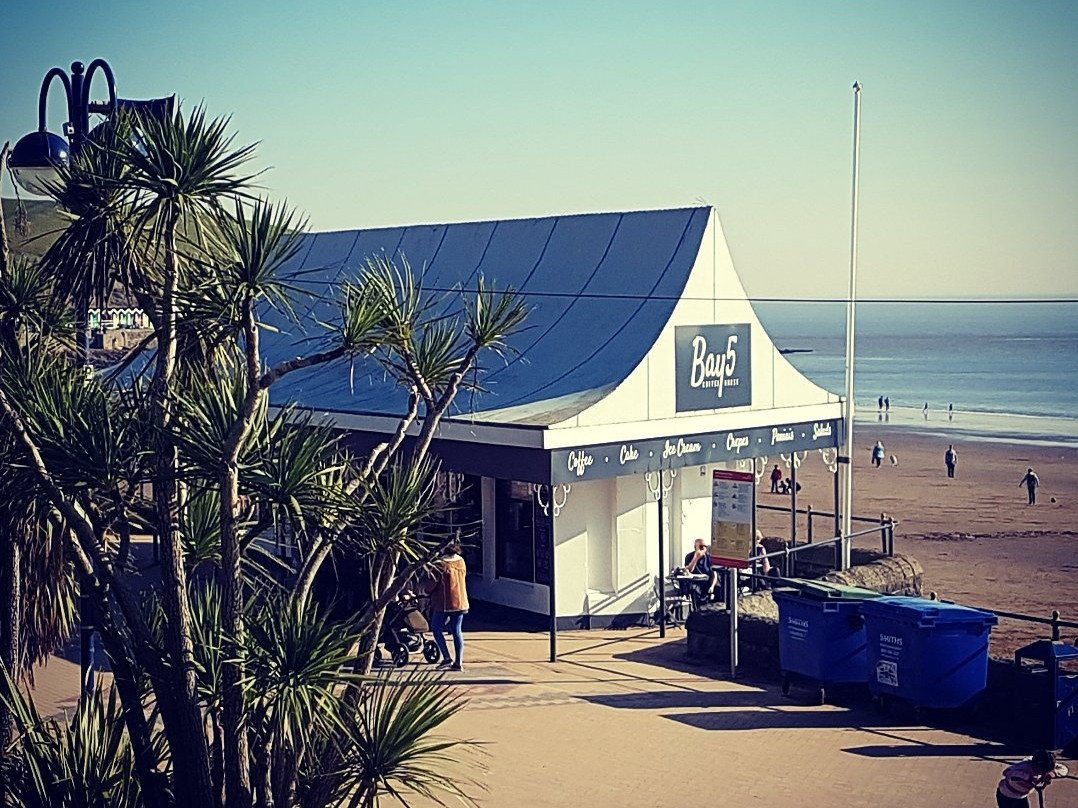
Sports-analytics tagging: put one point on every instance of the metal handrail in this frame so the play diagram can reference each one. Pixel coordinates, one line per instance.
(885, 528)
(1055, 621)
(823, 514)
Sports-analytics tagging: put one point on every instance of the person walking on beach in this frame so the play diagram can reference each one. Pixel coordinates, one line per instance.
(924, 411)
(950, 457)
(881, 404)
(776, 478)
(1032, 482)
(878, 453)
(449, 602)
(886, 404)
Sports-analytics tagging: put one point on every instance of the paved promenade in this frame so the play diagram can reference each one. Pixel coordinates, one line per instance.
(625, 720)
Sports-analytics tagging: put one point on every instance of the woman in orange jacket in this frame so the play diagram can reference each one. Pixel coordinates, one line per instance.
(449, 602)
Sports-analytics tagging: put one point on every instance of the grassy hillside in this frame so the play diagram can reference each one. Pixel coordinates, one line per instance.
(43, 217)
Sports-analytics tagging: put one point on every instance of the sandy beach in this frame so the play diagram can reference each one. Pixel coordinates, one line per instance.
(978, 540)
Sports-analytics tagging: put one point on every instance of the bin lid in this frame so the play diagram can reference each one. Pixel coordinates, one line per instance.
(1046, 650)
(924, 611)
(822, 590)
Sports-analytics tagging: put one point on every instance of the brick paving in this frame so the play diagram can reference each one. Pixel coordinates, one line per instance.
(624, 719)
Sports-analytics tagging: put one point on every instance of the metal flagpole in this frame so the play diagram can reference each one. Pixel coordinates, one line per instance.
(847, 510)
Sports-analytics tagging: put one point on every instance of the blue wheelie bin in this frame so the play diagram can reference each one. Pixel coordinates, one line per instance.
(926, 653)
(821, 635)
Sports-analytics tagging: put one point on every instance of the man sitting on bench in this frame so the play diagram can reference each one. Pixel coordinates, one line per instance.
(698, 562)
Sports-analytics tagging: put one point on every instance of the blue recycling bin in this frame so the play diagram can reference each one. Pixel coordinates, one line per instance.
(927, 653)
(1046, 697)
(822, 635)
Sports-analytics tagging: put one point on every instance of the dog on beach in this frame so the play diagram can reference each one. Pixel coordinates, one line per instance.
(894, 460)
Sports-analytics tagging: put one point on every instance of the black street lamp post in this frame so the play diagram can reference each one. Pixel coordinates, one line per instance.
(36, 155)
(33, 163)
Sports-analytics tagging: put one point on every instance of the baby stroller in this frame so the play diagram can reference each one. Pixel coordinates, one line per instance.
(404, 632)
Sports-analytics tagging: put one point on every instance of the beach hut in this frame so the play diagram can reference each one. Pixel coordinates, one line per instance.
(643, 368)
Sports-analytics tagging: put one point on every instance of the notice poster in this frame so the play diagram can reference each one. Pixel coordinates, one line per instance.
(733, 511)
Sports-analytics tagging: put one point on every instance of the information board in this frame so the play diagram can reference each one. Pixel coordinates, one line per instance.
(733, 516)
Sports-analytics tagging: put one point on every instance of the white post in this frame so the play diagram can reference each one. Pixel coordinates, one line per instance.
(847, 510)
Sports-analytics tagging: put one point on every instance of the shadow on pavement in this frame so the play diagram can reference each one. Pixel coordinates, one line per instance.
(978, 750)
(775, 718)
(678, 699)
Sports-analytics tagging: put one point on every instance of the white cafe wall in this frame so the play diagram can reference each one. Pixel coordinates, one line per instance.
(606, 536)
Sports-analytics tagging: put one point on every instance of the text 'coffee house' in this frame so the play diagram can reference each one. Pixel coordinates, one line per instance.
(643, 369)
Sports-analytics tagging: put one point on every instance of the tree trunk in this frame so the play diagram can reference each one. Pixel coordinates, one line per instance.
(217, 753)
(152, 780)
(10, 640)
(187, 738)
(237, 755)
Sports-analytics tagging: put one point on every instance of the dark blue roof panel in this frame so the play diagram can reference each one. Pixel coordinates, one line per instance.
(601, 288)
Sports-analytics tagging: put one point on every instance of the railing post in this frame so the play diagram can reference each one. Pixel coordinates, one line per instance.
(808, 516)
(1055, 625)
(838, 553)
(883, 533)
(890, 536)
(793, 500)
(786, 561)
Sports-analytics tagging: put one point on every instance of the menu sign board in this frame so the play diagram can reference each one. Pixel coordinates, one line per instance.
(733, 511)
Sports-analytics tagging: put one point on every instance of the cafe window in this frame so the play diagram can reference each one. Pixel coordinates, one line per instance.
(462, 516)
(515, 518)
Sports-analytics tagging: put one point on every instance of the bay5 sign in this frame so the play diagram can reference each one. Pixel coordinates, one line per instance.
(713, 365)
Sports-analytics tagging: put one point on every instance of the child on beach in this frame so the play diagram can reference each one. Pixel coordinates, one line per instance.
(1020, 779)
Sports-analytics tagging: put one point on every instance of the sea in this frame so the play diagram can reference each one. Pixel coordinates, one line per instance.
(1003, 371)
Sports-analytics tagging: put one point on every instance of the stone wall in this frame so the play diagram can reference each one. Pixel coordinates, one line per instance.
(708, 628)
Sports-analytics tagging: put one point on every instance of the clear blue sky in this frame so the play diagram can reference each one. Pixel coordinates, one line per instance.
(379, 113)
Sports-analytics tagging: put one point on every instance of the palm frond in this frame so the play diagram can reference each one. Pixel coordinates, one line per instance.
(298, 660)
(28, 305)
(85, 762)
(182, 167)
(96, 249)
(299, 475)
(396, 506)
(394, 749)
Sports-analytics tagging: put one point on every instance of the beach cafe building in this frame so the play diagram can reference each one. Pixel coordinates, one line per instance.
(588, 455)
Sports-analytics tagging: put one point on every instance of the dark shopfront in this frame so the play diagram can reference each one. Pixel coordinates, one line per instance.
(588, 521)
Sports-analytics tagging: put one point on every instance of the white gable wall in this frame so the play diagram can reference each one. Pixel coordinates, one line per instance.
(713, 294)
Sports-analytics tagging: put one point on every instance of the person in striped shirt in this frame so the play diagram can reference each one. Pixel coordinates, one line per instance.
(1020, 779)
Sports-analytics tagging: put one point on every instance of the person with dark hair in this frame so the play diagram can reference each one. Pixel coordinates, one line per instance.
(449, 604)
(1032, 482)
(1020, 779)
(776, 478)
(950, 459)
(698, 562)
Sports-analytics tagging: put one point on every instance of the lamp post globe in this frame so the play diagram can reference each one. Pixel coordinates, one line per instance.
(35, 159)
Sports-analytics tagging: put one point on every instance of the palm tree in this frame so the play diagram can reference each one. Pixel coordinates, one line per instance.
(247, 679)
(180, 169)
